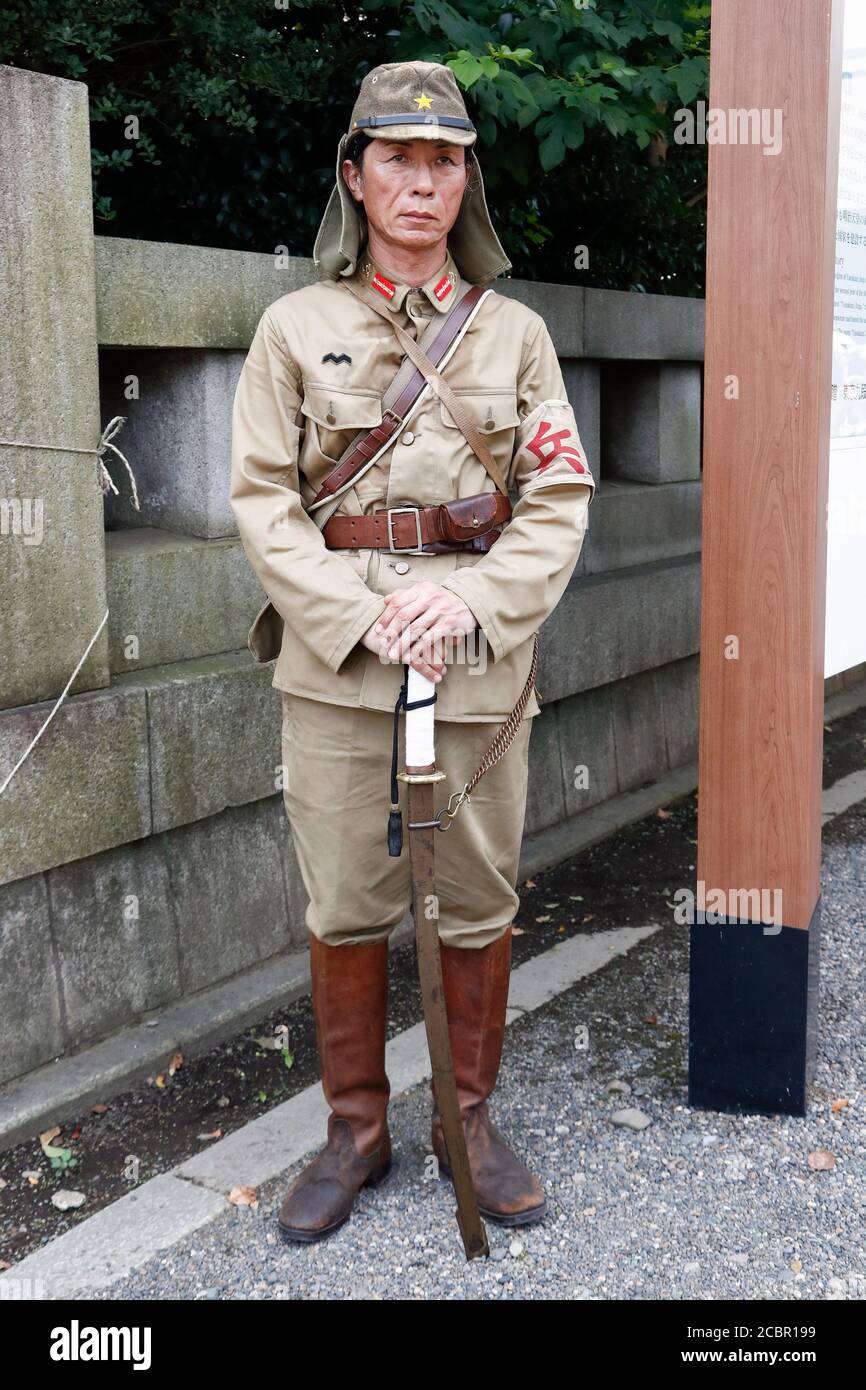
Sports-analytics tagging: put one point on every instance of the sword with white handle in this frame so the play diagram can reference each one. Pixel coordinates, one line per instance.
(420, 776)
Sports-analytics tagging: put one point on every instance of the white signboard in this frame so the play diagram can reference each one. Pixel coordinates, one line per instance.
(845, 642)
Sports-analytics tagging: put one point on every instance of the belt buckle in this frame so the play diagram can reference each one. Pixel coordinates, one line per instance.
(404, 549)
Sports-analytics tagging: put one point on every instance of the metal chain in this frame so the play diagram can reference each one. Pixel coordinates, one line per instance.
(499, 745)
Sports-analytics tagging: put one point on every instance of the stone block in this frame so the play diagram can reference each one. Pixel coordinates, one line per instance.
(545, 803)
(179, 596)
(177, 438)
(638, 730)
(652, 327)
(638, 523)
(844, 680)
(158, 294)
(85, 786)
(51, 510)
(228, 891)
(651, 422)
(214, 731)
(31, 1016)
(680, 700)
(586, 740)
(114, 925)
(608, 626)
(94, 946)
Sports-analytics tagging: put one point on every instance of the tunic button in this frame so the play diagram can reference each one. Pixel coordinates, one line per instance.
(401, 567)
(408, 437)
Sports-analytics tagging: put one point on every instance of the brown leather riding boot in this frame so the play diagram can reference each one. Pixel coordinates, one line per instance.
(476, 992)
(350, 1004)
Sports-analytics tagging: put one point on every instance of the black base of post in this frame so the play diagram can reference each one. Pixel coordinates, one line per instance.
(753, 1015)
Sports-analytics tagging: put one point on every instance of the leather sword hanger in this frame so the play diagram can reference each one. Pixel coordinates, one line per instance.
(440, 386)
(398, 401)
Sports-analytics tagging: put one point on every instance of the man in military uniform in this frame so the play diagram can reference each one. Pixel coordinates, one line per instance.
(405, 228)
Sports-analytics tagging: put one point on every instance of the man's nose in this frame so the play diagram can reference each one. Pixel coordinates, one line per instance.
(422, 180)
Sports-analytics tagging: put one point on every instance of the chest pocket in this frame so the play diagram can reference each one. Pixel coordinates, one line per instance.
(490, 409)
(493, 411)
(333, 414)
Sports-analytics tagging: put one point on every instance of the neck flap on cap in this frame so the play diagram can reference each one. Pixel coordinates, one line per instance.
(472, 241)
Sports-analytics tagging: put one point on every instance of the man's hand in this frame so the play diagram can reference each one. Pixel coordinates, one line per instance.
(419, 625)
(429, 659)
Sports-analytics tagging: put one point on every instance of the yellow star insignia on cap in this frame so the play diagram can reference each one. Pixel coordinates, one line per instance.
(424, 103)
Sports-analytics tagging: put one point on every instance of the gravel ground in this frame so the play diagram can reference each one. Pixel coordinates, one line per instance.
(625, 880)
(698, 1205)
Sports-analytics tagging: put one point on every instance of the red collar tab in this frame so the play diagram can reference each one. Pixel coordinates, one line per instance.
(443, 288)
(383, 285)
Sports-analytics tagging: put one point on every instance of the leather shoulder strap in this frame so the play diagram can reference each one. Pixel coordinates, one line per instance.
(399, 398)
(434, 378)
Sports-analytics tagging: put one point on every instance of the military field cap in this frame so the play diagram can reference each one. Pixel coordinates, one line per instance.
(428, 105)
(412, 101)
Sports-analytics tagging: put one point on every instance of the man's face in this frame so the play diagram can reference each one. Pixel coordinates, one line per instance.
(411, 189)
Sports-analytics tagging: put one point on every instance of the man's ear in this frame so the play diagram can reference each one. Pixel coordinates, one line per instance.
(352, 176)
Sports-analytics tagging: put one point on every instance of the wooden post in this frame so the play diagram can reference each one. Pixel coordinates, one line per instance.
(770, 268)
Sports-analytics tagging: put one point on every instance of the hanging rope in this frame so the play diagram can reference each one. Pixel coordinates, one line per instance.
(106, 481)
(61, 697)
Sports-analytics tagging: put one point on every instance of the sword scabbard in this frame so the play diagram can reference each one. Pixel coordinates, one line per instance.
(420, 783)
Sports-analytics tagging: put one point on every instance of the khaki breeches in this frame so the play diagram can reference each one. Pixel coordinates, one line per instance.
(337, 762)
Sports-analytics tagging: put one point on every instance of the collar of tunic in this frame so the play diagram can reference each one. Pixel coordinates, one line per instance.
(381, 285)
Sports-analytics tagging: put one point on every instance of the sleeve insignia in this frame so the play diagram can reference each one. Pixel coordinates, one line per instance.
(549, 448)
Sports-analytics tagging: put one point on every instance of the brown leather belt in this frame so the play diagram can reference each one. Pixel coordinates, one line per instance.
(470, 523)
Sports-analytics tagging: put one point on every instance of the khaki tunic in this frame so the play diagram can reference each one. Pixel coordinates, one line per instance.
(295, 411)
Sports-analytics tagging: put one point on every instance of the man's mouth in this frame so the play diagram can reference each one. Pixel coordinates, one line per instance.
(419, 216)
